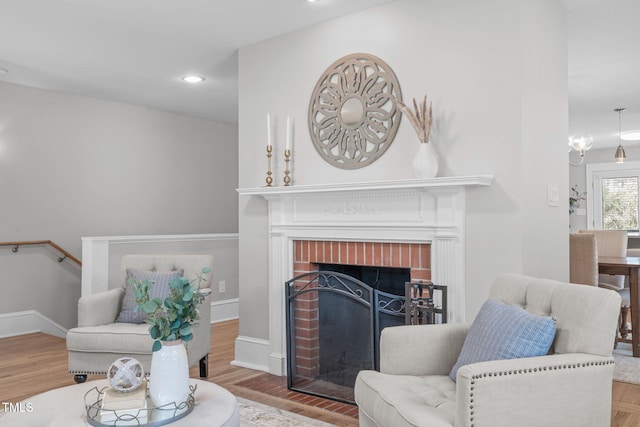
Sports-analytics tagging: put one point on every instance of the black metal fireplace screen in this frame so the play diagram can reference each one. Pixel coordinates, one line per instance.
(333, 328)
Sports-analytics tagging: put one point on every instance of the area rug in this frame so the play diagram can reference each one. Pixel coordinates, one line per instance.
(253, 414)
(627, 368)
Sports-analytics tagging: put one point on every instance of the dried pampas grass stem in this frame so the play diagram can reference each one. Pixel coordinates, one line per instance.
(420, 118)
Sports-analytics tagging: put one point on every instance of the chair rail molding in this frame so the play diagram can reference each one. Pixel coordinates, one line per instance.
(96, 253)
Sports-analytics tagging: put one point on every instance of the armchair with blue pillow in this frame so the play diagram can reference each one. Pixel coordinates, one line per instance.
(539, 353)
(109, 327)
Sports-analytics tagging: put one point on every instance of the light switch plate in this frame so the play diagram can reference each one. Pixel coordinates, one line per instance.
(552, 195)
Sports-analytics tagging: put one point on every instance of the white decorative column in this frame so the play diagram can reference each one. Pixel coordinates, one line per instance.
(279, 256)
(95, 265)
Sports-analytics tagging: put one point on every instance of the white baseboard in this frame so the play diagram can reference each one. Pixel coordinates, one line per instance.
(227, 309)
(252, 353)
(31, 321)
(277, 364)
(28, 322)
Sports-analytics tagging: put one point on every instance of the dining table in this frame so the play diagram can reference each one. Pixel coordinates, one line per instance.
(630, 267)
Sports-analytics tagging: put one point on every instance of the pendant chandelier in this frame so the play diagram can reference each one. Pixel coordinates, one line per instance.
(580, 143)
(620, 155)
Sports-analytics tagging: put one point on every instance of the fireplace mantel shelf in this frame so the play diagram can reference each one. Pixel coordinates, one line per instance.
(441, 182)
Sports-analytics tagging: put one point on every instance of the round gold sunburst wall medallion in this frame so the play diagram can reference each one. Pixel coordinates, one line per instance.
(353, 118)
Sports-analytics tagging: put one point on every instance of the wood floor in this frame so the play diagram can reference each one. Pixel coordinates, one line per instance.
(32, 364)
(625, 410)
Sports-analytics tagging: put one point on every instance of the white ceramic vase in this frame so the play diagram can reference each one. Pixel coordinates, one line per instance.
(169, 377)
(425, 164)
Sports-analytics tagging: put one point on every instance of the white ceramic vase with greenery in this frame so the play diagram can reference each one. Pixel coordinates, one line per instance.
(169, 377)
(170, 323)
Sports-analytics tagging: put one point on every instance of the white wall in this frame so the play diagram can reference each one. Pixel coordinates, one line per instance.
(544, 129)
(73, 166)
(496, 72)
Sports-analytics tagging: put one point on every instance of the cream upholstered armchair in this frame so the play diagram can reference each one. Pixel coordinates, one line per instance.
(108, 328)
(569, 386)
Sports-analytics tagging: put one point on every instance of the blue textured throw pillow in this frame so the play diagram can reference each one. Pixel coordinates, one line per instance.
(502, 331)
(160, 289)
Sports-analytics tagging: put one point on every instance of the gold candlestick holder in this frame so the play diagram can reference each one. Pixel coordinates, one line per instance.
(269, 178)
(287, 159)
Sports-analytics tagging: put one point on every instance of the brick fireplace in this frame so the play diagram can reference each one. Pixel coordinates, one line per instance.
(307, 254)
(417, 224)
(320, 372)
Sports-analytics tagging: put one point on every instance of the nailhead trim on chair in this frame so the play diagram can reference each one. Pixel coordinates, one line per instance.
(525, 371)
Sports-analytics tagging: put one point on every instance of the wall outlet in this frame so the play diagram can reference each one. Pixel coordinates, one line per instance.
(222, 286)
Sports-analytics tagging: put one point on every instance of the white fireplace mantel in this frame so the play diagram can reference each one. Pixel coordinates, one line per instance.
(412, 210)
(405, 184)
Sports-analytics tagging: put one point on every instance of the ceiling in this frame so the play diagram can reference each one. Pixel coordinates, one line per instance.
(604, 68)
(137, 51)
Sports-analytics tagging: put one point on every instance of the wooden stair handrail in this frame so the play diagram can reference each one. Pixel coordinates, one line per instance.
(65, 254)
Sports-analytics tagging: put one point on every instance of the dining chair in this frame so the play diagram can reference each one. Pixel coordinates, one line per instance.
(583, 259)
(626, 311)
(613, 243)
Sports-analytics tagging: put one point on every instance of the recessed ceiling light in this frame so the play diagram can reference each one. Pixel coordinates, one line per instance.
(631, 135)
(193, 79)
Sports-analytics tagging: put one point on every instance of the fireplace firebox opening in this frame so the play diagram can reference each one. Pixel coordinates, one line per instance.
(343, 295)
(385, 279)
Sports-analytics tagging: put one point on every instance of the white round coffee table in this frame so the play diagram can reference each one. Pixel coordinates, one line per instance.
(64, 407)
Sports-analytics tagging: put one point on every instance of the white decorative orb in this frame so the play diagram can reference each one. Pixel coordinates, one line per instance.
(125, 374)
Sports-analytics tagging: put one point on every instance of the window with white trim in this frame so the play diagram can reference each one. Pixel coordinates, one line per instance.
(613, 202)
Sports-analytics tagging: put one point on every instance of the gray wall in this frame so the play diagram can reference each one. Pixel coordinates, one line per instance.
(32, 279)
(496, 71)
(73, 166)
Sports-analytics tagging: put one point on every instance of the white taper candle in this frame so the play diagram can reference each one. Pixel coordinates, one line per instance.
(268, 129)
(289, 132)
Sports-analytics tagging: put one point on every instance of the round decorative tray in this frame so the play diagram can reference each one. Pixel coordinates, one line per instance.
(150, 416)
